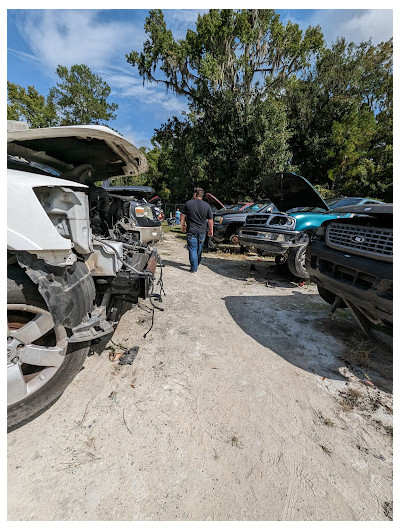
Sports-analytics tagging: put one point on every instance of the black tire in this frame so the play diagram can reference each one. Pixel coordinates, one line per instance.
(209, 244)
(22, 291)
(329, 297)
(296, 261)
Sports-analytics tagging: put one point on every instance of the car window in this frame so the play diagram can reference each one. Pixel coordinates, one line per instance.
(343, 201)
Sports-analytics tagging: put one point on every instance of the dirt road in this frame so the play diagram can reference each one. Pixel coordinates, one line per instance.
(244, 402)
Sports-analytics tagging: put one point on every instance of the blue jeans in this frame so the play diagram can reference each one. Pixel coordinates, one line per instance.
(195, 244)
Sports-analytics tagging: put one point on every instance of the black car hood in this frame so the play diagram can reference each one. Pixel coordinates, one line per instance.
(288, 190)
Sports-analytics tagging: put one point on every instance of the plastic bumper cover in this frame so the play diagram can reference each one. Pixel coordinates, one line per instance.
(365, 282)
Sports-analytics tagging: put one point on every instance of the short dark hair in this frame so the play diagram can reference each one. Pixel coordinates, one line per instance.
(199, 192)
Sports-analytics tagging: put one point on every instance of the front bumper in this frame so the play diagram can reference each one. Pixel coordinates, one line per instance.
(274, 241)
(149, 234)
(365, 282)
(219, 233)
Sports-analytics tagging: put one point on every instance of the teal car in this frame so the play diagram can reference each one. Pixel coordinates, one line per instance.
(286, 234)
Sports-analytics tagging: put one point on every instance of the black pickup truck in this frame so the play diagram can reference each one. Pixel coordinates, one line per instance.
(351, 261)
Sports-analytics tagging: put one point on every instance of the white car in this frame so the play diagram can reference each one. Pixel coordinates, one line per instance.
(75, 262)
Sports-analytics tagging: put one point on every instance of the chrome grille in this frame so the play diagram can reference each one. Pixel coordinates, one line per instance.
(376, 242)
(257, 219)
(270, 219)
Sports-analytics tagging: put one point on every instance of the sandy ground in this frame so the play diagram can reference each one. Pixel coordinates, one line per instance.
(244, 402)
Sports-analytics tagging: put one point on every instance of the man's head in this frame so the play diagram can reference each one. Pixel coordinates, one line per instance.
(198, 193)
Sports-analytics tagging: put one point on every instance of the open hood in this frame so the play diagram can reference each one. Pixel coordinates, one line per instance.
(288, 190)
(130, 191)
(67, 148)
(212, 200)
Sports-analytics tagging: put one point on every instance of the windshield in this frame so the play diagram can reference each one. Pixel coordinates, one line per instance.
(334, 202)
(342, 201)
(255, 207)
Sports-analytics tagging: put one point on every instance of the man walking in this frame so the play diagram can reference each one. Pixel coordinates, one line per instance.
(198, 217)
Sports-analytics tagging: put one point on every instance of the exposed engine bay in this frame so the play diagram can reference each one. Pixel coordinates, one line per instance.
(109, 232)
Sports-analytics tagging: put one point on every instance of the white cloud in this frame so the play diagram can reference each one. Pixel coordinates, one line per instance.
(179, 20)
(355, 25)
(137, 138)
(129, 86)
(70, 37)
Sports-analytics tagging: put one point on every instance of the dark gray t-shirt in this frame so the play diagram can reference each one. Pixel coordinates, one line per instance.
(197, 213)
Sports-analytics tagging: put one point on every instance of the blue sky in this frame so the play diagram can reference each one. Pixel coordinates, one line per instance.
(39, 40)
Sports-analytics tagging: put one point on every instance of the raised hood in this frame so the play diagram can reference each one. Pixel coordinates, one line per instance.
(67, 148)
(212, 200)
(288, 190)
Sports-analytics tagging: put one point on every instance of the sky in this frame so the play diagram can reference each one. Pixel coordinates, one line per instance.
(39, 40)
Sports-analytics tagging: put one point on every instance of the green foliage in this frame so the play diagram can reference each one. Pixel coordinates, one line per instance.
(238, 50)
(81, 98)
(232, 69)
(30, 106)
(342, 120)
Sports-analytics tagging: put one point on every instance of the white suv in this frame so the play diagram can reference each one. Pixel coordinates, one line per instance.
(75, 262)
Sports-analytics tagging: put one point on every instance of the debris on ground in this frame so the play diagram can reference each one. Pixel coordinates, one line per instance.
(114, 356)
(124, 357)
(129, 356)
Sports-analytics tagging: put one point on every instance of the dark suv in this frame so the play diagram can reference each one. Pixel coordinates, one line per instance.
(351, 262)
(228, 222)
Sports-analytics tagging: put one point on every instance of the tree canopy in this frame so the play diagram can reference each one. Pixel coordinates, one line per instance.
(268, 96)
(80, 98)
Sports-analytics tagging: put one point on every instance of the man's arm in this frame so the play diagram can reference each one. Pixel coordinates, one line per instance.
(210, 227)
(183, 219)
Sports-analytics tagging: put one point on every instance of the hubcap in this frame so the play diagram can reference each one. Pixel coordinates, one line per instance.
(35, 350)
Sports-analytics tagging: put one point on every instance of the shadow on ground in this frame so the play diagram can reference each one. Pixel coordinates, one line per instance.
(260, 270)
(297, 327)
(178, 265)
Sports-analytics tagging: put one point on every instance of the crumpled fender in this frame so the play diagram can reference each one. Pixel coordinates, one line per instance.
(69, 292)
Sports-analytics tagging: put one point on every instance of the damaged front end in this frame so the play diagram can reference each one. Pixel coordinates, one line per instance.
(89, 249)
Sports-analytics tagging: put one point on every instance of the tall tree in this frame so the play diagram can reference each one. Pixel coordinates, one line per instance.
(239, 50)
(82, 96)
(232, 70)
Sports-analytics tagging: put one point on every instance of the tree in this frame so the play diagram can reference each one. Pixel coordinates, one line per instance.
(341, 118)
(82, 96)
(80, 99)
(30, 106)
(232, 70)
(238, 50)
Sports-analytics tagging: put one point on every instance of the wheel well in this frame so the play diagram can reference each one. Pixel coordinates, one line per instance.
(20, 287)
(232, 227)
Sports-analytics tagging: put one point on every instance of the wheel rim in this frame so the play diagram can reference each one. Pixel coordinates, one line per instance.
(303, 259)
(35, 350)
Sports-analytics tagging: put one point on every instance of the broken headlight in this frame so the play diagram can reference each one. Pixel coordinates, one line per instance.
(283, 222)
